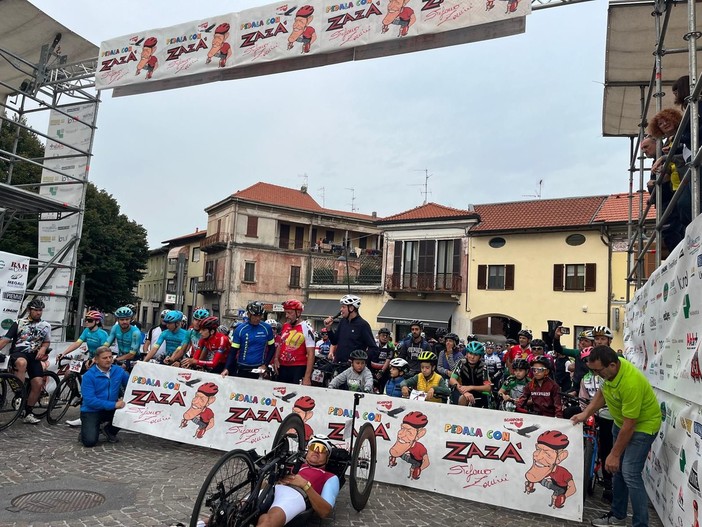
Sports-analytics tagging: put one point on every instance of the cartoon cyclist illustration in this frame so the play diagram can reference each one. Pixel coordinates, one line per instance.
(199, 411)
(400, 15)
(549, 454)
(148, 60)
(220, 49)
(303, 407)
(408, 446)
(302, 31)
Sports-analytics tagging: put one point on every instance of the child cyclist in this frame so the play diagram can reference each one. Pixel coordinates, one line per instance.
(513, 387)
(398, 368)
(542, 392)
(357, 378)
(427, 380)
(471, 380)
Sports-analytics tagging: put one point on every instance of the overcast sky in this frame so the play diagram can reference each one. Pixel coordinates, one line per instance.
(488, 120)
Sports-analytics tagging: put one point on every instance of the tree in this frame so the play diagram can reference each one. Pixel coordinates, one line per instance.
(113, 250)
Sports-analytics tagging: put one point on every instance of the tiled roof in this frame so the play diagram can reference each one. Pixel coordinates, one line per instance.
(538, 214)
(197, 234)
(429, 211)
(616, 208)
(277, 195)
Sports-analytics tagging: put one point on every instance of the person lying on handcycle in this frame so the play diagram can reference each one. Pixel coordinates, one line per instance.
(311, 484)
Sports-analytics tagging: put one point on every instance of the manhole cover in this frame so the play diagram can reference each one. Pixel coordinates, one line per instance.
(57, 501)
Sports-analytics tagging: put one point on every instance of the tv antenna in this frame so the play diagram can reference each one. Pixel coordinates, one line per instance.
(537, 192)
(426, 190)
(322, 191)
(305, 181)
(353, 199)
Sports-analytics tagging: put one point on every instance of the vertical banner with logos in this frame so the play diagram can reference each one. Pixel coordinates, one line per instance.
(72, 129)
(14, 270)
(662, 337)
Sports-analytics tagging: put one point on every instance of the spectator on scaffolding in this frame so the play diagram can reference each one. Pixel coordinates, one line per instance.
(663, 126)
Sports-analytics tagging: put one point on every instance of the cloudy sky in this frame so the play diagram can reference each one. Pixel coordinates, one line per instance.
(487, 120)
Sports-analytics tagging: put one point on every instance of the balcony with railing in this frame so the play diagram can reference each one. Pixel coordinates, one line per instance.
(210, 285)
(215, 242)
(424, 283)
(365, 270)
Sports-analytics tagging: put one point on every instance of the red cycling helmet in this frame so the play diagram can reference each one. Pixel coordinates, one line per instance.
(293, 304)
(416, 419)
(209, 389)
(554, 439)
(95, 315)
(150, 42)
(305, 403)
(211, 323)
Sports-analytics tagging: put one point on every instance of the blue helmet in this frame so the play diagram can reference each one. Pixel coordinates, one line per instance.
(201, 313)
(173, 316)
(124, 312)
(475, 348)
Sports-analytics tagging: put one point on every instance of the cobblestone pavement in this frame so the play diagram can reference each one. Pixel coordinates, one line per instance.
(154, 482)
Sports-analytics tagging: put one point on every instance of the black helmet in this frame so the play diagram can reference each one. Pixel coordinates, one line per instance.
(36, 304)
(255, 308)
(538, 343)
(525, 333)
(471, 338)
(441, 332)
(383, 331)
(541, 360)
(520, 364)
(416, 323)
(359, 355)
(453, 337)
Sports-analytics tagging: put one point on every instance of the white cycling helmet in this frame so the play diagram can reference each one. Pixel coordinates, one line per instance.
(320, 438)
(602, 331)
(350, 300)
(399, 363)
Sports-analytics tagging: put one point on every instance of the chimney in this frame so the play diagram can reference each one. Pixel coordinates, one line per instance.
(374, 214)
(303, 189)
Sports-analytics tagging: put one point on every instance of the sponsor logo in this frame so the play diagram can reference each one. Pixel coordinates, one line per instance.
(15, 283)
(9, 310)
(682, 281)
(664, 269)
(19, 266)
(691, 342)
(15, 297)
(6, 323)
(652, 322)
(686, 306)
(665, 292)
(666, 316)
(692, 244)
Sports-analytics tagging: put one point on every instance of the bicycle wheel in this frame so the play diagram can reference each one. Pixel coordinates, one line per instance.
(225, 498)
(49, 385)
(290, 436)
(12, 399)
(588, 469)
(363, 461)
(60, 400)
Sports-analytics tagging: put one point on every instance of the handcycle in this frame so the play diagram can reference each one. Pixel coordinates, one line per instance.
(592, 465)
(241, 485)
(68, 392)
(14, 394)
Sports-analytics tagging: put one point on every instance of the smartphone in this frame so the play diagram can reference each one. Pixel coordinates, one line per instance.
(564, 330)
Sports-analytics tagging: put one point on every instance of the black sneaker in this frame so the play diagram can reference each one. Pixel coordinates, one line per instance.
(111, 438)
(608, 519)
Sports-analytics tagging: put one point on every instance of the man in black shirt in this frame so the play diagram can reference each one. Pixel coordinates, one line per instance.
(353, 333)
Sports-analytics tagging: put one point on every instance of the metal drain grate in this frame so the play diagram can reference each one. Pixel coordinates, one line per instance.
(57, 501)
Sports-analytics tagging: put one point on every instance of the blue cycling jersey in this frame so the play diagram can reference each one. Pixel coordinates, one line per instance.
(127, 341)
(93, 339)
(194, 338)
(173, 339)
(251, 343)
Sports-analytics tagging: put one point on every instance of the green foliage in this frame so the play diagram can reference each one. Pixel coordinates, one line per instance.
(113, 251)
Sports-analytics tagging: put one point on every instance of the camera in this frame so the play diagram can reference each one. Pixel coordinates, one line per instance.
(565, 330)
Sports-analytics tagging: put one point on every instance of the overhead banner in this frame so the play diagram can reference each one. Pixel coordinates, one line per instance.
(281, 31)
(14, 270)
(71, 129)
(470, 453)
(662, 337)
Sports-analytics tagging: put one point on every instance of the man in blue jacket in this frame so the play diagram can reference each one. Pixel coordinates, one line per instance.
(101, 389)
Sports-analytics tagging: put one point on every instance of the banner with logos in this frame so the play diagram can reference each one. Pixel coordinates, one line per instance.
(470, 453)
(662, 337)
(280, 31)
(14, 270)
(71, 129)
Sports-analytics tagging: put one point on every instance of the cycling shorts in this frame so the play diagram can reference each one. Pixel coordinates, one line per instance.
(289, 500)
(34, 367)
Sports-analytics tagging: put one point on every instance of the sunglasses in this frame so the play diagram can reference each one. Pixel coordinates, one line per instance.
(537, 347)
(90, 320)
(538, 370)
(318, 447)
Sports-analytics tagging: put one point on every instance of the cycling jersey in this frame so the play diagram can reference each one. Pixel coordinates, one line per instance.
(295, 341)
(410, 350)
(211, 353)
(251, 345)
(93, 339)
(514, 387)
(28, 336)
(517, 352)
(545, 397)
(477, 375)
(127, 341)
(173, 339)
(322, 347)
(194, 339)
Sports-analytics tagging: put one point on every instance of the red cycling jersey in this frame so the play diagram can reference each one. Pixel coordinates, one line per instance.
(212, 352)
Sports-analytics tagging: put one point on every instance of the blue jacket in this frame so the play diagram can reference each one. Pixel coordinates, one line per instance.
(393, 388)
(101, 392)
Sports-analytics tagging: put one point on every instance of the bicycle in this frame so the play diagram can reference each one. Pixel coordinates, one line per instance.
(14, 394)
(592, 465)
(68, 392)
(241, 485)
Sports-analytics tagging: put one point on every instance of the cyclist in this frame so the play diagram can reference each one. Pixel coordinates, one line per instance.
(449, 357)
(128, 337)
(538, 349)
(520, 350)
(513, 388)
(358, 377)
(393, 387)
(312, 483)
(380, 358)
(353, 332)
(193, 332)
(411, 346)
(542, 392)
(585, 340)
(93, 336)
(494, 364)
(212, 349)
(470, 379)
(323, 345)
(427, 380)
(294, 358)
(153, 334)
(30, 338)
(439, 344)
(253, 344)
(175, 338)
